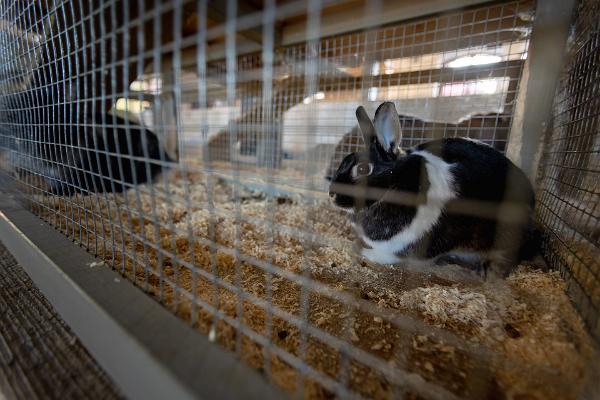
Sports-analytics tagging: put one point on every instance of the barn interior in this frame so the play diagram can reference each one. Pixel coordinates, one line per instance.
(253, 106)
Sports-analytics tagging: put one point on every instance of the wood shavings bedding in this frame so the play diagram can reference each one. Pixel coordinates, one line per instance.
(518, 338)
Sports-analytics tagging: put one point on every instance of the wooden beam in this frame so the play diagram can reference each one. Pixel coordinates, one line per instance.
(217, 11)
(359, 16)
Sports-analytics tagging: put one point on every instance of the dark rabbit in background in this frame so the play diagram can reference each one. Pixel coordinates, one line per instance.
(450, 200)
(50, 136)
(49, 131)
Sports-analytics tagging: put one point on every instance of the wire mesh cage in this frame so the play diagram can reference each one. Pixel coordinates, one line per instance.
(188, 144)
(568, 190)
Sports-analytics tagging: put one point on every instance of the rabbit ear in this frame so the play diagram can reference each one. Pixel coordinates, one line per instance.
(366, 125)
(387, 126)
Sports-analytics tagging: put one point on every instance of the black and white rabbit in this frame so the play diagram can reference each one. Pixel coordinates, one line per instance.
(450, 200)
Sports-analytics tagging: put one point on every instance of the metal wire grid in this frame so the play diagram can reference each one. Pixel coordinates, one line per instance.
(105, 222)
(436, 100)
(569, 191)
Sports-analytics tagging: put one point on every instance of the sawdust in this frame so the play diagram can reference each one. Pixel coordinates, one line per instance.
(448, 307)
(419, 333)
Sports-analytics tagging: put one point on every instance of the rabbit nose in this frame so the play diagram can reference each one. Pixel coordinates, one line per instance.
(331, 194)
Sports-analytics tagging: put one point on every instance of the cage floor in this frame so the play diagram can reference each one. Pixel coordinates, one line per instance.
(40, 358)
(519, 338)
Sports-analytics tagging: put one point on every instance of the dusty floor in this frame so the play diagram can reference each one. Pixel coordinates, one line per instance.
(423, 333)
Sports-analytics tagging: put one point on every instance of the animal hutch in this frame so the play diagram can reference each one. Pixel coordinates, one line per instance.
(164, 172)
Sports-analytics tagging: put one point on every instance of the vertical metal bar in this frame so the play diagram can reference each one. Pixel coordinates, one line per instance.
(77, 122)
(231, 70)
(140, 60)
(88, 98)
(201, 44)
(171, 114)
(156, 69)
(268, 126)
(536, 93)
(112, 38)
(311, 76)
(127, 131)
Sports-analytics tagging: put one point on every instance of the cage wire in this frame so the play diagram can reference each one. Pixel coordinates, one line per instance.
(406, 63)
(569, 202)
(185, 143)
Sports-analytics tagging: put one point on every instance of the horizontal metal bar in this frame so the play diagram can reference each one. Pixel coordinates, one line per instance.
(148, 351)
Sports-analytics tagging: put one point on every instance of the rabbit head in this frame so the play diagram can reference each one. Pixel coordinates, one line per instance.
(360, 174)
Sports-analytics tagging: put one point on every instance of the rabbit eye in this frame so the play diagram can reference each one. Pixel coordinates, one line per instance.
(362, 169)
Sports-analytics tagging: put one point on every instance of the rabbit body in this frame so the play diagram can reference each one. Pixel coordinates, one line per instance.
(452, 200)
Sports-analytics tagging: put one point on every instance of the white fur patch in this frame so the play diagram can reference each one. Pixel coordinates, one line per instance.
(379, 257)
(349, 210)
(441, 190)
